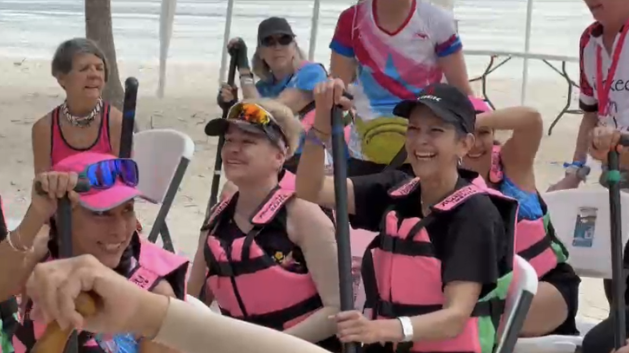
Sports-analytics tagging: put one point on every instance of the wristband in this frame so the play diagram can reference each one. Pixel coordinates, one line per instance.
(246, 80)
(311, 136)
(407, 328)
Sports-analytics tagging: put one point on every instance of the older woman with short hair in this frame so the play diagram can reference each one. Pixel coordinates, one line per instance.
(83, 122)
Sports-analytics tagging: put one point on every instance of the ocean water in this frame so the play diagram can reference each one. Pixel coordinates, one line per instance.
(33, 28)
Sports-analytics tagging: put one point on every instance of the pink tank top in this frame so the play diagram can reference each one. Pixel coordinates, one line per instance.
(60, 148)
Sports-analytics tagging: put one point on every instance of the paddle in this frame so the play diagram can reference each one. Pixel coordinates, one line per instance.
(64, 231)
(618, 280)
(342, 219)
(218, 161)
(131, 85)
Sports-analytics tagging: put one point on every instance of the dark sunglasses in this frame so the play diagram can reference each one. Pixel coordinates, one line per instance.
(103, 175)
(272, 41)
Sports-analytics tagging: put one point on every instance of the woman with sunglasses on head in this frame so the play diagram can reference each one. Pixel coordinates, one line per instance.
(265, 256)
(84, 122)
(103, 225)
(436, 276)
(390, 50)
(509, 168)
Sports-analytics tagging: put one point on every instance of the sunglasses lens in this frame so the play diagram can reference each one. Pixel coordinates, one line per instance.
(285, 40)
(128, 171)
(102, 175)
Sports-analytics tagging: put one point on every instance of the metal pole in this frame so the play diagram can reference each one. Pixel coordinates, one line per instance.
(227, 33)
(527, 49)
(314, 28)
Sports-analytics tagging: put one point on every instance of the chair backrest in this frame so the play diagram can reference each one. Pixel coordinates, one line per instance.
(519, 298)
(158, 154)
(582, 222)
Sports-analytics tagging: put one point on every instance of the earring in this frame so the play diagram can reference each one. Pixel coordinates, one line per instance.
(459, 161)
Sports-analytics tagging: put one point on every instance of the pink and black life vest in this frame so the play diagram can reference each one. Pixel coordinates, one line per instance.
(402, 273)
(536, 241)
(251, 285)
(154, 265)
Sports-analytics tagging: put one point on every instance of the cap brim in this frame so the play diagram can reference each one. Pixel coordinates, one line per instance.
(404, 109)
(103, 200)
(218, 127)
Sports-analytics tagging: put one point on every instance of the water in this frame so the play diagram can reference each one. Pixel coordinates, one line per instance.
(33, 28)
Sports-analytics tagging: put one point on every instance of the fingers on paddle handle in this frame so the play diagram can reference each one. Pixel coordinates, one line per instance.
(83, 185)
(54, 338)
(624, 140)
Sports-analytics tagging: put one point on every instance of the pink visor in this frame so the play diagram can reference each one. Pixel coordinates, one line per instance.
(97, 199)
(480, 105)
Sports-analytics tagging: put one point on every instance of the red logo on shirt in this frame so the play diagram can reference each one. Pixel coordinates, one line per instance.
(421, 35)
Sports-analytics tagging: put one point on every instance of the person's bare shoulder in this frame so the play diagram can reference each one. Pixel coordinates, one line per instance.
(41, 128)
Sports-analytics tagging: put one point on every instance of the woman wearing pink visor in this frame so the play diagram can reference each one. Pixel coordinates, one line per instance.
(509, 168)
(103, 225)
(265, 256)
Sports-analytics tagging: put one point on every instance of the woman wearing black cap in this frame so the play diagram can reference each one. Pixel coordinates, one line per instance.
(437, 272)
(283, 74)
(265, 256)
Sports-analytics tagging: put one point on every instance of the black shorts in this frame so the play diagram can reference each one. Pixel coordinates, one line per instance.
(567, 283)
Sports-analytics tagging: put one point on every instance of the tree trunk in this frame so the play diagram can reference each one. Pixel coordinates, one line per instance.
(98, 28)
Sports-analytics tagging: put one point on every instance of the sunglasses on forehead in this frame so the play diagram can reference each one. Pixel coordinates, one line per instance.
(104, 174)
(251, 113)
(272, 41)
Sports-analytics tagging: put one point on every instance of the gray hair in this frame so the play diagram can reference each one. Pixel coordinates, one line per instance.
(262, 69)
(66, 51)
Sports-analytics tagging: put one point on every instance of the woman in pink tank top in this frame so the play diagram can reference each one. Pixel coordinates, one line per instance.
(83, 122)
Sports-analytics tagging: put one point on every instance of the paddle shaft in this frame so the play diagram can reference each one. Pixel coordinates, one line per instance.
(128, 116)
(218, 161)
(618, 282)
(342, 219)
(64, 233)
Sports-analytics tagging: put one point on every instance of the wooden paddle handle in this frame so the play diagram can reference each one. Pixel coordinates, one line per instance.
(54, 338)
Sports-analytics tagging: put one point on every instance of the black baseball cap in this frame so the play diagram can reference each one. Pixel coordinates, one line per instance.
(446, 102)
(273, 26)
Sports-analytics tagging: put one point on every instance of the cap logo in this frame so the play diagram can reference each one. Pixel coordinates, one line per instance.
(430, 97)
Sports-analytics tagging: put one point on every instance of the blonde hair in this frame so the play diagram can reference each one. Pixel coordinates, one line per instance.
(262, 69)
(291, 126)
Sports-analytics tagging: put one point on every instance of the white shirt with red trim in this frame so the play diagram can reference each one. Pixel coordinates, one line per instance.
(618, 103)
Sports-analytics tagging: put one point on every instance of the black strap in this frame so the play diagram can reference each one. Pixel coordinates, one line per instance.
(397, 161)
(277, 319)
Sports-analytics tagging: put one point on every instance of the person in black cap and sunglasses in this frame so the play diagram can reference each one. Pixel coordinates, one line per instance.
(283, 73)
(459, 256)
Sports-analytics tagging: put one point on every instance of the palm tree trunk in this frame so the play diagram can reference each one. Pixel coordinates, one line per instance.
(98, 28)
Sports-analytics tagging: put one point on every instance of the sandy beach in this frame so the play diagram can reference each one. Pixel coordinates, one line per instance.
(28, 91)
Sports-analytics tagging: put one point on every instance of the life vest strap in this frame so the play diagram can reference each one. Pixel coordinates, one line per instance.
(406, 247)
(490, 308)
(536, 249)
(277, 319)
(239, 268)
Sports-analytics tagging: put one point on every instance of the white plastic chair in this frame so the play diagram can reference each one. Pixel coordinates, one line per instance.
(518, 302)
(162, 156)
(588, 260)
(564, 206)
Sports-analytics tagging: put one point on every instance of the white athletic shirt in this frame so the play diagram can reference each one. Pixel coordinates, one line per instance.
(618, 103)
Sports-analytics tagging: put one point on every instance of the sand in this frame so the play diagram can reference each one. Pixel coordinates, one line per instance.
(27, 92)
